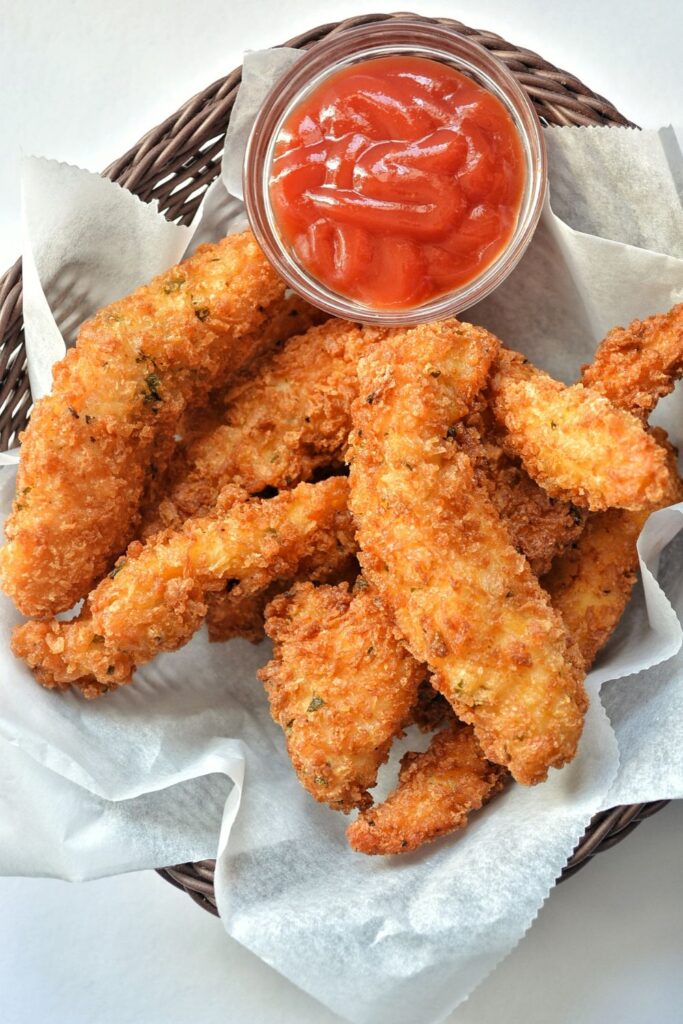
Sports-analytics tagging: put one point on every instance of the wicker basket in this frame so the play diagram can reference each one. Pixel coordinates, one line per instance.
(174, 164)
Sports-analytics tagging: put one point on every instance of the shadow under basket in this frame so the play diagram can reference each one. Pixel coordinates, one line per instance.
(175, 163)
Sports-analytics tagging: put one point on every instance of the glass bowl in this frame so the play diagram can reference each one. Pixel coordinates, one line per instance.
(360, 44)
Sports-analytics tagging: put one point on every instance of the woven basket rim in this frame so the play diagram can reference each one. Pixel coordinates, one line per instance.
(607, 830)
(174, 163)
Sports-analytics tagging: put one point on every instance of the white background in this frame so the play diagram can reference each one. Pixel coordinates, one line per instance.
(81, 81)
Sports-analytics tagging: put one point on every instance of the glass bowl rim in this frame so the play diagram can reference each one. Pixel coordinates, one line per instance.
(364, 43)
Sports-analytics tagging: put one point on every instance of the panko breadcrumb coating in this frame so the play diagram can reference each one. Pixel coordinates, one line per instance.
(87, 452)
(591, 582)
(436, 793)
(239, 609)
(540, 527)
(282, 419)
(155, 598)
(286, 317)
(341, 685)
(637, 365)
(434, 547)
(574, 442)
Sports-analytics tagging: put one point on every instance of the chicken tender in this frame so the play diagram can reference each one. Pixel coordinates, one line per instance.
(87, 452)
(155, 598)
(284, 418)
(287, 317)
(574, 442)
(341, 685)
(589, 585)
(434, 547)
(637, 365)
(591, 582)
(239, 610)
(540, 527)
(435, 795)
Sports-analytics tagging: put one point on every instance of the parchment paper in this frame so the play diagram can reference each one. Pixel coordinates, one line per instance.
(137, 779)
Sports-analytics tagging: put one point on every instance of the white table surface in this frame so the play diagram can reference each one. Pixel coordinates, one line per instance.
(81, 80)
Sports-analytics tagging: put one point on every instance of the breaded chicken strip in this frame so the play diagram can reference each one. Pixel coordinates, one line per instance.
(290, 414)
(341, 685)
(574, 442)
(436, 793)
(287, 317)
(540, 527)
(116, 397)
(434, 547)
(591, 582)
(239, 609)
(589, 585)
(155, 598)
(286, 416)
(633, 368)
(637, 365)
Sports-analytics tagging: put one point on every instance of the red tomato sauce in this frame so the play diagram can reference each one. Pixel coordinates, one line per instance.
(397, 180)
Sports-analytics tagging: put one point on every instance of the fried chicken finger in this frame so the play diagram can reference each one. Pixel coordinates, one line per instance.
(116, 397)
(287, 317)
(341, 685)
(284, 418)
(435, 548)
(591, 582)
(574, 442)
(155, 598)
(436, 793)
(637, 365)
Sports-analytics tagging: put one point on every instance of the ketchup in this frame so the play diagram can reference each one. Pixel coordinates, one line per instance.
(396, 180)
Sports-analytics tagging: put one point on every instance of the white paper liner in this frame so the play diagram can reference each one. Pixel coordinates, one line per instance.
(132, 780)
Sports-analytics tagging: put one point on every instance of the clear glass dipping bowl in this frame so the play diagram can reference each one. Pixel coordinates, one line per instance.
(384, 39)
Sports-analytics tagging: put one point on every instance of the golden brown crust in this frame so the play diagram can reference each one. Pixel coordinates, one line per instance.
(239, 610)
(281, 420)
(637, 365)
(574, 442)
(287, 317)
(591, 582)
(436, 793)
(340, 684)
(86, 453)
(294, 408)
(434, 547)
(232, 613)
(590, 585)
(540, 526)
(156, 597)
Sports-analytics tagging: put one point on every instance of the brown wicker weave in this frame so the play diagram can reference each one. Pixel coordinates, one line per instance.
(175, 163)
